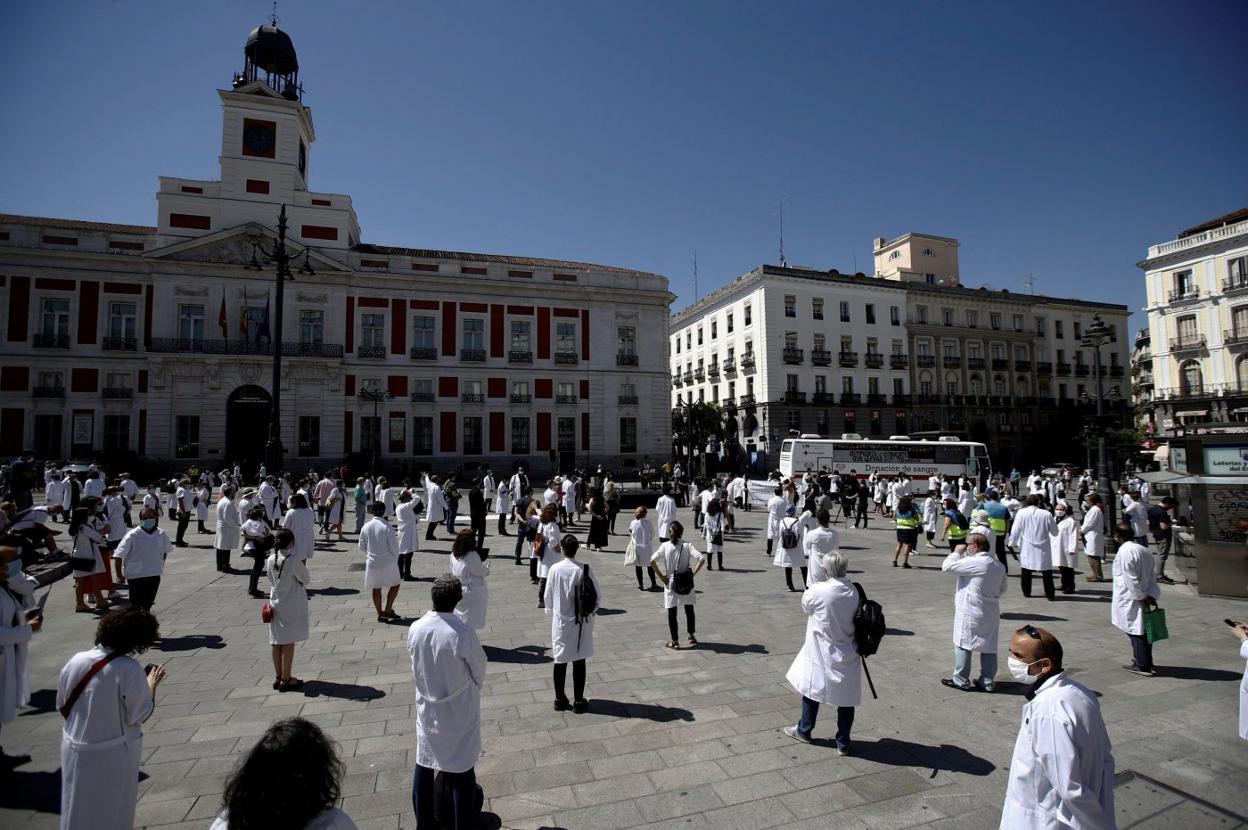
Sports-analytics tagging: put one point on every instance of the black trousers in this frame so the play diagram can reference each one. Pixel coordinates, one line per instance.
(429, 526)
(689, 622)
(223, 560)
(640, 582)
(788, 578)
(257, 568)
(1068, 579)
(143, 591)
(405, 564)
(578, 680)
(1045, 576)
(861, 514)
(502, 524)
(1002, 556)
(478, 527)
(184, 519)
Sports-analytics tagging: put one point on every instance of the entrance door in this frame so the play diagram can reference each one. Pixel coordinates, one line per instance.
(247, 426)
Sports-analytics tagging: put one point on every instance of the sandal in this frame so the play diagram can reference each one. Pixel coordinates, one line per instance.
(672, 644)
(277, 684)
(693, 641)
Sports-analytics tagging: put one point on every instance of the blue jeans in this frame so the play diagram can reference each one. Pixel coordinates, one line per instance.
(360, 514)
(463, 786)
(451, 510)
(962, 659)
(844, 721)
(1141, 651)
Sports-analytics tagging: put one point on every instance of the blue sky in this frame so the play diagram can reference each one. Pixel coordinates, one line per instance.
(1052, 139)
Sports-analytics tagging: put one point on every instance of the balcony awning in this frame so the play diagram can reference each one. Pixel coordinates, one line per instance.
(1182, 479)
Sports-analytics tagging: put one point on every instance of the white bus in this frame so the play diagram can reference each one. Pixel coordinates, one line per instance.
(887, 457)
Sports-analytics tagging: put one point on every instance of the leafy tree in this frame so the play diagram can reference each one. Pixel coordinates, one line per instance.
(695, 423)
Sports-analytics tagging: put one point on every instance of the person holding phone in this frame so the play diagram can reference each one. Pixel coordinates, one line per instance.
(468, 565)
(19, 620)
(1240, 630)
(105, 696)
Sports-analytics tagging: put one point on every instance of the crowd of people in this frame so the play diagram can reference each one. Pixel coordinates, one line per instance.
(1065, 773)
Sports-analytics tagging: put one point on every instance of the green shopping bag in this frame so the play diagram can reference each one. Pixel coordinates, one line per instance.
(1155, 625)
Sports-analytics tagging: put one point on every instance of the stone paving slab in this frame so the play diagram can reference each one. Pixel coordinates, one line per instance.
(686, 739)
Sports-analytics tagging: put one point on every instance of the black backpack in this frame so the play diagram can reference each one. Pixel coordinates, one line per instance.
(869, 626)
(584, 601)
(788, 535)
(682, 580)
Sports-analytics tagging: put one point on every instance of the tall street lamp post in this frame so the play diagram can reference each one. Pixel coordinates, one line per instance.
(376, 396)
(279, 257)
(1094, 336)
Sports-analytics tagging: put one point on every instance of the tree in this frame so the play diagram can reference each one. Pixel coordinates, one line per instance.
(693, 424)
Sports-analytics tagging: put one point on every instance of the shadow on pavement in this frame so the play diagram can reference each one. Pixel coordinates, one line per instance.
(332, 592)
(740, 570)
(908, 754)
(38, 791)
(344, 691)
(41, 701)
(1021, 615)
(520, 654)
(727, 648)
(610, 612)
(190, 642)
(898, 632)
(1189, 673)
(644, 711)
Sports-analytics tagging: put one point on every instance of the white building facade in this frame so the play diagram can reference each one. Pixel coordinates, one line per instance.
(155, 343)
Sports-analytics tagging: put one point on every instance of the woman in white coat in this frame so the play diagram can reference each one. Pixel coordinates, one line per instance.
(543, 552)
(288, 600)
(571, 636)
(1241, 633)
(1065, 547)
(640, 547)
(381, 561)
(1093, 530)
(202, 494)
(436, 502)
(101, 741)
(471, 570)
(931, 517)
(713, 530)
(228, 526)
(674, 557)
(336, 512)
(828, 671)
(88, 544)
(976, 612)
(18, 622)
(409, 540)
(301, 521)
(791, 557)
(502, 506)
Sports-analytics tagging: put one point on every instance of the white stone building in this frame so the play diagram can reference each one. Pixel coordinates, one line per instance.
(154, 343)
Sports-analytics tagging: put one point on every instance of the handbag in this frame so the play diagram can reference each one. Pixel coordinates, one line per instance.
(630, 553)
(266, 612)
(682, 580)
(1155, 625)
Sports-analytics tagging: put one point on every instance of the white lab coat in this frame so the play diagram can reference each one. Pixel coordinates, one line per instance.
(15, 633)
(381, 552)
(1137, 514)
(227, 525)
(776, 507)
(436, 503)
(471, 573)
(409, 539)
(569, 496)
(827, 669)
(710, 526)
(502, 501)
(550, 496)
(1062, 773)
(1093, 530)
(101, 742)
(302, 523)
(550, 550)
(1030, 537)
(931, 515)
(489, 487)
(672, 558)
(569, 641)
(977, 601)
(1243, 693)
(330, 818)
(665, 509)
(789, 557)
(201, 507)
(815, 544)
(1135, 577)
(387, 498)
(54, 492)
(1065, 544)
(448, 669)
(269, 498)
(115, 514)
(288, 597)
(986, 531)
(87, 544)
(641, 538)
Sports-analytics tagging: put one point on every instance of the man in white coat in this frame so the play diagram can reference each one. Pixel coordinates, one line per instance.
(828, 670)
(571, 630)
(1135, 591)
(381, 561)
(1093, 530)
(448, 668)
(1062, 772)
(409, 539)
(517, 484)
(776, 506)
(271, 500)
(976, 612)
(665, 510)
(1030, 537)
(817, 544)
(435, 501)
(228, 523)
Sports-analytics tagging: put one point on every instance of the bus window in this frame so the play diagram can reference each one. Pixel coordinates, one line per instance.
(786, 447)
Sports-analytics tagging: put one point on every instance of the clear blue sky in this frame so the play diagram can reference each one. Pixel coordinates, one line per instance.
(1051, 139)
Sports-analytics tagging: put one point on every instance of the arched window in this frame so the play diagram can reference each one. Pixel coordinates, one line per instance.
(1241, 373)
(1191, 380)
(1024, 388)
(998, 385)
(976, 387)
(925, 383)
(951, 383)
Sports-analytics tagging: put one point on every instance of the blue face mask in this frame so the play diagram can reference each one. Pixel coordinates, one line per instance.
(14, 568)
(149, 524)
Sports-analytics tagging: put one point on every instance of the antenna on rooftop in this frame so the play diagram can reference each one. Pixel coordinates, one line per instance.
(695, 275)
(274, 12)
(782, 261)
(1029, 284)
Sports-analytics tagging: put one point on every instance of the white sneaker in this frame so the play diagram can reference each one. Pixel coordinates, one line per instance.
(792, 732)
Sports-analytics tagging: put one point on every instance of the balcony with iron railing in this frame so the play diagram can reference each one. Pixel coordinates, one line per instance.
(952, 362)
(1187, 343)
(712, 372)
(901, 400)
(747, 361)
(175, 345)
(876, 399)
(623, 359)
(792, 355)
(1082, 370)
(520, 397)
(730, 366)
(566, 358)
(1000, 364)
(565, 400)
(1182, 295)
(1063, 369)
(973, 363)
(519, 356)
(898, 361)
(926, 361)
(1044, 367)
(728, 403)
(50, 341)
(874, 360)
(821, 357)
(822, 398)
(847, 360)
(628, 400)
(472, 355)
(48, 391)
(472, 397)
(120, 344)
(423, 353)
(747, 400)
(1022, 365)
(362, 352)
(1235, 337)
(1116, 371)
(850, 399)
(116, 393)
(1234, 285)
(687, 377)
(422, 397)
(699, 375)
(793, 396)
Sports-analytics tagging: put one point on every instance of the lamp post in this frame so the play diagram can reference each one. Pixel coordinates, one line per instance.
(279, 257)
(376, 396)
(1094, 336)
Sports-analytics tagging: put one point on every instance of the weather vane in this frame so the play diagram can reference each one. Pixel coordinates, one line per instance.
(274, 12)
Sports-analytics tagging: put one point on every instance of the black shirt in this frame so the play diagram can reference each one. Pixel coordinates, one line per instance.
(1156, 516)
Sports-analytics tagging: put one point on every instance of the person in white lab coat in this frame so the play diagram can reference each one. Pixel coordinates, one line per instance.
(381, 563)
(791, 557)
(301, 521)
(86, 530)
(448, 667)
(816, 544)
(1135, 591)
(101, 741)
(640, 547)
(1065, 546)
(976, 612)
(409, 538)
(468, 565)
(544, 551)
(571, 629)
(665, 512)
(228, 525)
(827, 670)
(931, 517)
(674, 557)
(271, 500)
(1029, 535)
(19, 620)
(435, 503)
(1093, 530)
(1240, 630)
(1062, 773)
(713, 527)
(776, 507)
(142, 553)
(202, 494)
(1136, 512)
(502, 506)
(292, 777)
(288, 599)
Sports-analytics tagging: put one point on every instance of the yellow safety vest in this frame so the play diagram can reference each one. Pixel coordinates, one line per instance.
(910, 522)
(997, 525)
(956, 531)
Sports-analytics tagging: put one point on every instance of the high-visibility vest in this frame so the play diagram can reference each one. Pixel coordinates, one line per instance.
(910, 521)
(956, 531)
(997, 523)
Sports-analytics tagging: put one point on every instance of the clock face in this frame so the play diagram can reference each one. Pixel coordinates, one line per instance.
(259, 139)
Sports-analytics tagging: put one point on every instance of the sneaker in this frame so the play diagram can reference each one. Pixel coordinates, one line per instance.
(945, 681)
(1134, 669)
(842, 750)
(1167, 580)
(792, 732)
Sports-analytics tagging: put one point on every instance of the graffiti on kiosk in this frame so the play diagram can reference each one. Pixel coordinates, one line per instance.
(1228, 514)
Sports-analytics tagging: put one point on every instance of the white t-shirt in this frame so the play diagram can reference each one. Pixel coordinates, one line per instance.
(142, 553)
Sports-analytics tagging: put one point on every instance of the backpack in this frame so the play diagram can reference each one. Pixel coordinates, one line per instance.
(958, 518)
(869, 626)
(788, 535)
(585, 599)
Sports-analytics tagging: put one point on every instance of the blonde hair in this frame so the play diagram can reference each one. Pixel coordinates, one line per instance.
(641, 512)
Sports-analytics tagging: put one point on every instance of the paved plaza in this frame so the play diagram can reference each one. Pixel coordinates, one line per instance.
(688, 739)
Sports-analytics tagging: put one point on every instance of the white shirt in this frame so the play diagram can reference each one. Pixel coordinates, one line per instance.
(448, 670)
(666, 510)
(143, 553)
(817, 543)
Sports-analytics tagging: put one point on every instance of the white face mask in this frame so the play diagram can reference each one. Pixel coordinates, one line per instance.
(1018, 670)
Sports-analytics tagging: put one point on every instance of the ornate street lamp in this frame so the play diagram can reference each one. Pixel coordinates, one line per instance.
(281, 259)
(376, 396)
(1094, 336)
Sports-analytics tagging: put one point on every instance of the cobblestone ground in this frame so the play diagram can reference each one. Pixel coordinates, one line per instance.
(685, 739)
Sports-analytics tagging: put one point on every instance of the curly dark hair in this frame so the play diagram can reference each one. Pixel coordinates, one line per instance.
(129, 630)
(465, 541)
(289, 777)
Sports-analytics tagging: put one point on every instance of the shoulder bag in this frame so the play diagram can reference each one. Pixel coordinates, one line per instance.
(682, 579)
(81, 686)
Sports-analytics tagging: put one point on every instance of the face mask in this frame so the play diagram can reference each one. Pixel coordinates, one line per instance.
(1018, 670)
(13, 568)
(149, 524)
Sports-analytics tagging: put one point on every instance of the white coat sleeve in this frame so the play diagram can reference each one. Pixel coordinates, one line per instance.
(1058, 752)
(957, 564)
(476, 661)
(1130, 572)
(1243, 649)
(17, 634)
(136, 697)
